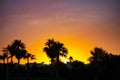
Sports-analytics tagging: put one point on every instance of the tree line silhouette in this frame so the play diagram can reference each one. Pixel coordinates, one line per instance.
(17, 49)
(102, 66)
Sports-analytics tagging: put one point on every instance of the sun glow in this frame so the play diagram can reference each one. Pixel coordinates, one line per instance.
(64, 59)
(78, 48)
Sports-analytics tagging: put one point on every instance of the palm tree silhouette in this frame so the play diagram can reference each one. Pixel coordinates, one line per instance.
(1, 57)
(60, 50)
(71, 59)
(54, 49)
(50, 51)
(18, 49)
(5, 55)
(29, 56)
(11, 51)
(98, 55)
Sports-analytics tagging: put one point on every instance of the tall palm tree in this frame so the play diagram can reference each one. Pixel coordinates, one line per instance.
(29, 56)
(54, 49)
(18, 44)
(1, 58)
(5, 55)
(20, 54)
(60, 50)
(50, 51)
(18, 49)
(11, 51)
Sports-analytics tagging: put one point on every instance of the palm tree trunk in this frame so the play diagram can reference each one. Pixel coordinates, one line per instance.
(7, 60)
(70, 60)
(28, 62)
(11, 60)
(57, 58)
(53, 68)
(18, 62)
(3, 61)
(57, 65)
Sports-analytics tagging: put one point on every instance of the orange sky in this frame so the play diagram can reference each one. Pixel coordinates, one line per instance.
(80, 25)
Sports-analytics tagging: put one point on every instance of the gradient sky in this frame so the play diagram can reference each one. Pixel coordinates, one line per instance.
(80, 24)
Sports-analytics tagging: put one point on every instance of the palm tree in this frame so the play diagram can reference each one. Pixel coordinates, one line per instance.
(5, 54)
(18, 49)
(54, 49)
(18, 44)
(20, 54)
(98, 55)
(3, 57)
(71, 59)
(50, 50)
(27, 56)
(11, 51)
(60, 50)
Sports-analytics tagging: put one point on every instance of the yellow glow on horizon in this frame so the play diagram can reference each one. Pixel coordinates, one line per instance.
(77, 48)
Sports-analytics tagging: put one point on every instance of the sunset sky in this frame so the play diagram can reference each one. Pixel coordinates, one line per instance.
(80, 24)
